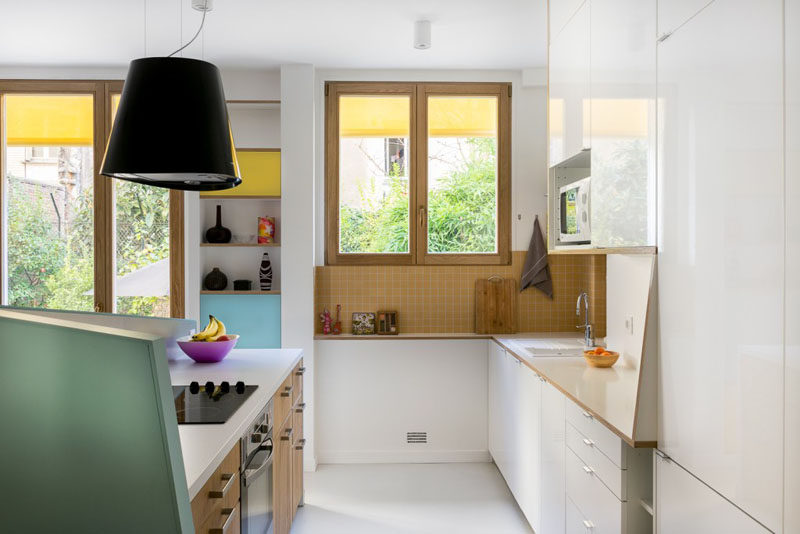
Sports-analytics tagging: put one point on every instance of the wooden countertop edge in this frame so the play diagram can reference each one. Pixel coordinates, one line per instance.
(404, 337)
(627, 439)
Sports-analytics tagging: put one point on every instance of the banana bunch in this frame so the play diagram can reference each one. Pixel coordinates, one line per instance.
(214, 330)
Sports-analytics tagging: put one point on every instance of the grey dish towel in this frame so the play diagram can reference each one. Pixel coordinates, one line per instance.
(536, 272)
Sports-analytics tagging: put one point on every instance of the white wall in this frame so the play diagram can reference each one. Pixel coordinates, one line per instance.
(369, 393)
(528, 137)
(297, 246)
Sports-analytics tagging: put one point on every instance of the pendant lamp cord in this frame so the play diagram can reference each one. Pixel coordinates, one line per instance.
(202, 21)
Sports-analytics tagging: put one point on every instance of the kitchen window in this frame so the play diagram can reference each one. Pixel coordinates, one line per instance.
(418, 173)
(71, 238)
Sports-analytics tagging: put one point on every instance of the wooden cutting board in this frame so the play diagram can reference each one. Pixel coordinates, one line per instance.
(496, 305)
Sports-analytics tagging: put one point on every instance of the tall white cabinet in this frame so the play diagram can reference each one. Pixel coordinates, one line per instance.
(721, 266)
(792, 393)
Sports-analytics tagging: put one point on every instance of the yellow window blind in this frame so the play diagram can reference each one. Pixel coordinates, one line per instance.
(462, 116)
(49, 120)
(389, 116)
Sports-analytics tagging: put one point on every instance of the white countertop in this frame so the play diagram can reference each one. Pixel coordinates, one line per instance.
(205, 446)
(609, 394)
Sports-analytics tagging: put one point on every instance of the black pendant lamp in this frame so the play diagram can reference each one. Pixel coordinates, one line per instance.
(171, 129)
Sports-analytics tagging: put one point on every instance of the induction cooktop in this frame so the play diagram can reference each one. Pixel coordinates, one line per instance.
(210, 404)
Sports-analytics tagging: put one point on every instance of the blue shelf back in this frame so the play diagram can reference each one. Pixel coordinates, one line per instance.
(256, 318)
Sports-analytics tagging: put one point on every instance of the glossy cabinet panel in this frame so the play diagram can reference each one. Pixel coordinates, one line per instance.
(792, 410)
(673, 13)
(623, 122)
(560, 12)
(528, 450)
(552, 467)
(685, 505)
(569, 88)
(720, 267)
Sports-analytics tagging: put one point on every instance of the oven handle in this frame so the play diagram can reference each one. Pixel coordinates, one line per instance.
(250, 475)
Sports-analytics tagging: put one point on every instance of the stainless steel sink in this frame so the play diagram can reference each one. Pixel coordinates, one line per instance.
(550, 353)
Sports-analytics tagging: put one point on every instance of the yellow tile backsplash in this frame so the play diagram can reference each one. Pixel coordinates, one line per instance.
(440, 299)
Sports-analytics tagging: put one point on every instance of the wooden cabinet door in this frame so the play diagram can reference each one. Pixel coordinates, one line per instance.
(297, 456)
(282, 480)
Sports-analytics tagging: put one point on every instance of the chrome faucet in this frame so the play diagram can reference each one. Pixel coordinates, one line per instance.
(588, 339)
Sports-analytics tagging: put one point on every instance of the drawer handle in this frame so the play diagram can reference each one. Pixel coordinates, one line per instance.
(301, 371)
(588, 469)
(302, 444)
(287, 391)
(588, 524)
(301, 407)
(588, 442)
(288, 435)
(226, 525)
(219, 494)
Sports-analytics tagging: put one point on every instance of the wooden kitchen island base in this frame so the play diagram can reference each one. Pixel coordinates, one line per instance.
(216, 507)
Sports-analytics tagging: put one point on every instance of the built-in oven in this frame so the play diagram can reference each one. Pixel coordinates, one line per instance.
(256, 479)
(574, 212)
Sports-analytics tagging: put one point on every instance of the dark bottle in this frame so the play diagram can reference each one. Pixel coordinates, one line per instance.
(218, 233)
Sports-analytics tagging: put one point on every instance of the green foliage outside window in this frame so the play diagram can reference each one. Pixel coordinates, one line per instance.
(462, 209)
(52, 270)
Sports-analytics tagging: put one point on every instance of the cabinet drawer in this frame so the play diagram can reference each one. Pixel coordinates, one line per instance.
(220, 491)
(282, 401)
(576, 523)
(604, 439)
(297, 381)
(599, 506)
(226, 520)
(612, 476)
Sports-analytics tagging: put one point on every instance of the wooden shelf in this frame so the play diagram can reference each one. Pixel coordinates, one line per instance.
(232, 292)
(604, 251)
(254, 104)
(240, 244)
(240, 197)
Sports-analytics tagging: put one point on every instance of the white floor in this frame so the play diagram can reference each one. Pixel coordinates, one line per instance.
(408, 498)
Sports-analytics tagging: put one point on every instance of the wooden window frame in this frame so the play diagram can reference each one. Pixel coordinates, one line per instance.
(103, 208)
(418, 172)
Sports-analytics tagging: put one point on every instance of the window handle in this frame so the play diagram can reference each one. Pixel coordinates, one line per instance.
(421, 216)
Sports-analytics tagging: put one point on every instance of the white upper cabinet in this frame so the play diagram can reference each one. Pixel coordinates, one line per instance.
(673, 13)
(560, 13)
(684, 505)
(568, 118)
(792, 410)
(721, 249)
(623, 122)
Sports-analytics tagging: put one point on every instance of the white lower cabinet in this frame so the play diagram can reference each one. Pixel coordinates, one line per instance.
(685, 505)
(566, 470)
(552, 463)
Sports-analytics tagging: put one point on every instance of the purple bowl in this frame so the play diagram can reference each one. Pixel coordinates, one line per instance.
(206, 351)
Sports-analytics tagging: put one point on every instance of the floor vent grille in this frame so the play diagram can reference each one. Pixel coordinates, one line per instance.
(417, 437)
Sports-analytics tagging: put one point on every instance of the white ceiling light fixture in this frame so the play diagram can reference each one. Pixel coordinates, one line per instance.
(422, 34)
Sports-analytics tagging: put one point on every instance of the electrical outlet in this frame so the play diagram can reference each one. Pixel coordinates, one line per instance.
(629, 324)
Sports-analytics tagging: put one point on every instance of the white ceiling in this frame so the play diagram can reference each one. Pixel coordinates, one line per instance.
(471, 34)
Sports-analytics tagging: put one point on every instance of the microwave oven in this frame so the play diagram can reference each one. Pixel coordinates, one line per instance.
(574, 212)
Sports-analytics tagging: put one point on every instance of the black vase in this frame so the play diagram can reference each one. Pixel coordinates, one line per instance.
(215, 280)
(265, 273)
(218, 233)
